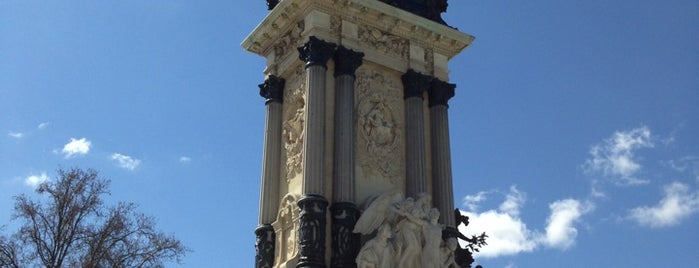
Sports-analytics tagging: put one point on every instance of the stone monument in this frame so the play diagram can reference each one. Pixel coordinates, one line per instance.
(357, 162)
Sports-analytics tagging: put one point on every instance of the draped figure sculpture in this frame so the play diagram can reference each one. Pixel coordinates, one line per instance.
(408, 229)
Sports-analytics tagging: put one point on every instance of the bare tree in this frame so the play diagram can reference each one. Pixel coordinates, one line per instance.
(71, 227)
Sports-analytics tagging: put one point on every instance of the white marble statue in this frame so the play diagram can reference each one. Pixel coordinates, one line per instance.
(377, 213)
(416, 232)
(377, 252)
(447, 253)
(432, 233)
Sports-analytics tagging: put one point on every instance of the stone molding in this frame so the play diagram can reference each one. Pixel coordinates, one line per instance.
(423, 32)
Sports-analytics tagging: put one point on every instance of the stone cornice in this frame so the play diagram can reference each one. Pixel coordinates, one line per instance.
(347, 61)
(414, 84)
(440, 92)
(272, 89)
(445, 40)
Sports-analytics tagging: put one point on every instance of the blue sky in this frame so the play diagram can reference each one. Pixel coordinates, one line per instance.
(574, 127)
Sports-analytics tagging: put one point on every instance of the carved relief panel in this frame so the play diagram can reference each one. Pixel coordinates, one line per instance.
(293, 126)
(384, 42)
(288, 41)
(286, 227)
(379, 127)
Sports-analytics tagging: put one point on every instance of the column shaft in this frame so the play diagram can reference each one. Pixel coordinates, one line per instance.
(416, 179)
(345, 244)
(269, 192)
(343, 184)
(441, 164)
(439, 94)
(272, 90)
(312, 227)
(314, 133)
(414, 85)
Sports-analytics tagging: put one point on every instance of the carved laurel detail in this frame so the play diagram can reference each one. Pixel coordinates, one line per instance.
(384, 42)
(377, 124)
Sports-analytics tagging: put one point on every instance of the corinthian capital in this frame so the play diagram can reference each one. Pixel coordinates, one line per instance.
(272, 89)
(316, 52)
(347, 61)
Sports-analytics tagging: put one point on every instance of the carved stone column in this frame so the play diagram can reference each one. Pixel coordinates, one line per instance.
(414, 85)
(345, 244)
(272, 90)
(315, 53)
(439, 94)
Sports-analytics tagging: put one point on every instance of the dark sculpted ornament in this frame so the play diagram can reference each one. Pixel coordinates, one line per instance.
(440, 92)
(271, 4)
(312, 231)
(345, 243)
(264, 246)
(272, 89)
(316, 52)
(430, 9)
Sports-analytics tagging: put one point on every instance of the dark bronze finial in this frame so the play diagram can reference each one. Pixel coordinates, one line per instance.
(271, 4)
(430, 9)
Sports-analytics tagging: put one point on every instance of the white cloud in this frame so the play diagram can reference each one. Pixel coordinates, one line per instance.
(16, 135)
(43, 125)
(614, 157)
(185, 159)
(513, 202)
(508, 234)
(76, 147)
(560, 229)
(472, 201)
(35, 180)
(125, 161)
(677, 204)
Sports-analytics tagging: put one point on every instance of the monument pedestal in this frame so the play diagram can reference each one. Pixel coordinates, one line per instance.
(357, 97)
